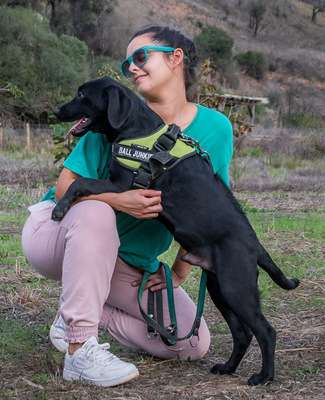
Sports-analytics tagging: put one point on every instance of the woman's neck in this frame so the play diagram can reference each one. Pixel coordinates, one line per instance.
(174, 110)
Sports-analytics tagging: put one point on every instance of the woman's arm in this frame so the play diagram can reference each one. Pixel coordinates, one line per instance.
(179, 271)
(140, 203)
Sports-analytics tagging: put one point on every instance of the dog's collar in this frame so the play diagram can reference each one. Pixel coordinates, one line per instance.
(149, 156)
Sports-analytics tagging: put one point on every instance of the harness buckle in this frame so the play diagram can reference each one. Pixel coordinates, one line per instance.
(158, 146)
(142, 179)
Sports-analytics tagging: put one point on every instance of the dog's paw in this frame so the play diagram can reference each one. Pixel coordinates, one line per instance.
(57, 214)
(259, 379)
(222, 369)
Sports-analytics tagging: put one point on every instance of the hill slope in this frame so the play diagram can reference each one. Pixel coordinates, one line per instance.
(293, 45)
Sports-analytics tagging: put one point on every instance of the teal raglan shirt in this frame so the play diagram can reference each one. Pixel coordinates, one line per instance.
(142, 240)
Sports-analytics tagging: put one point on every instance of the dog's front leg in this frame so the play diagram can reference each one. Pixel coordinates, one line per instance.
(81, 187)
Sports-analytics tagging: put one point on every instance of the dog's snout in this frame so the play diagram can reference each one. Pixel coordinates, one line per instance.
(56, 111)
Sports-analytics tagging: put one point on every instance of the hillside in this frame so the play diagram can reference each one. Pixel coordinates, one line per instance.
(293, 45)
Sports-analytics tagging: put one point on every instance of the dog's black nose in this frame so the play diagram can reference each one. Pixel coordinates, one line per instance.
(56, 112)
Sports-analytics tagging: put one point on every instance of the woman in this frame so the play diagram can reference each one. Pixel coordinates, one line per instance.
(104, 243)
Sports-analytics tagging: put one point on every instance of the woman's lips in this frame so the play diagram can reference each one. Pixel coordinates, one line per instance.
(139, 78)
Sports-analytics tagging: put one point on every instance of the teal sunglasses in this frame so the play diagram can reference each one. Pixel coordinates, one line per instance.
(140, 56)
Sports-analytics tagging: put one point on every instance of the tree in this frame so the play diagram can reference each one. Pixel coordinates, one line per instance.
(318, 7)
(215, 44)
(254, 63)
(46, 68)
(256, 11)
(81, 18)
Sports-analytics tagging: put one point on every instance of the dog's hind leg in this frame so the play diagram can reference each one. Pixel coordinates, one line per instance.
(242, 335)
(237, 279)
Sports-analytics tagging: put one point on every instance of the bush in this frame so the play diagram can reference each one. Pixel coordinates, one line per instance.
(45, 67)
(215, 44)
(254, 63)
(301, 121)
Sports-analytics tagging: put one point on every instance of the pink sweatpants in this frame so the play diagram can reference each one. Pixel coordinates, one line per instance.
(82, 251)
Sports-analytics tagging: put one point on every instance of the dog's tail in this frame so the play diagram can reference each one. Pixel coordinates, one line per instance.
(265, 262)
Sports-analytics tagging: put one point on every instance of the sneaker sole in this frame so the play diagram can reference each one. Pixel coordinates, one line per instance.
(74, 376)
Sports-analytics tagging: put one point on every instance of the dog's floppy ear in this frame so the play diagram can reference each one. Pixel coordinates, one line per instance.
(119, 106)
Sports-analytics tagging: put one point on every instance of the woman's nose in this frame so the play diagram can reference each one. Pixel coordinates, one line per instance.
(133, 67)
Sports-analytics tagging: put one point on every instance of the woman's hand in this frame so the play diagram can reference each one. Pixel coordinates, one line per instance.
(157, 280)
(140, 203)
(179, 272)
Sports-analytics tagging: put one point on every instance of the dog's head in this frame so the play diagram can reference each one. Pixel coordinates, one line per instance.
(100, 105)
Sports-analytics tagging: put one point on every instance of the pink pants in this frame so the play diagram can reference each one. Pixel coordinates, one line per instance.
(82, 251)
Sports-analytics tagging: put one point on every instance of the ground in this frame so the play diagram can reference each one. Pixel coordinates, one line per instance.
(30, 368)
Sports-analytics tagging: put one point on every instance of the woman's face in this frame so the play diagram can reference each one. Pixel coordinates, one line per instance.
(152, 77)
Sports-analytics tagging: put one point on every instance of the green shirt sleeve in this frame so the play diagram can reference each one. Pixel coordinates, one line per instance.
(89, 157)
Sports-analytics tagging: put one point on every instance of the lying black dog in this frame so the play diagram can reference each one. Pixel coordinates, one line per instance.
(198, 209)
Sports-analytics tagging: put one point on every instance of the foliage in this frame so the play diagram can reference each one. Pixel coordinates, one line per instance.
(318, 7)
(45, 67)
(215, 44)
(63, 144)
(13, 89)
(256, 11)
(107, 70)
(254, 63)
(212, 98)
(82, 19)
(301, 121)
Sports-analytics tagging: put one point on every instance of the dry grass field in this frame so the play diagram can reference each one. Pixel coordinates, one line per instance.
(283, 195)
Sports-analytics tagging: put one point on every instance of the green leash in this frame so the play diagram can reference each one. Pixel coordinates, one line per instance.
(169, 333)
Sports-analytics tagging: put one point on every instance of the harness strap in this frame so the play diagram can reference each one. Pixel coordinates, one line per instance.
(150, 156)
(169, 334)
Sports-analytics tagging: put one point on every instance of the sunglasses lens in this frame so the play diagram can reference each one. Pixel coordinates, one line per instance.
(125, 69)
(139, 57)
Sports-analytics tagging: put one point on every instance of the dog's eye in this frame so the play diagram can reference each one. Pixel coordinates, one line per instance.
(80, 95)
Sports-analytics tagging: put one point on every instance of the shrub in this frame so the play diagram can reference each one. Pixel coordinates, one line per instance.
(46, 68)
(215, 44)
(301, 121)
(254, 63)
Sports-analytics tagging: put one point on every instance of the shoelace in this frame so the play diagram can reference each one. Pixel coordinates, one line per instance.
(100, 352)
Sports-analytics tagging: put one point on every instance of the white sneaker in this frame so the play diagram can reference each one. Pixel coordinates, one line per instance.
(93, 364)
(57, 334)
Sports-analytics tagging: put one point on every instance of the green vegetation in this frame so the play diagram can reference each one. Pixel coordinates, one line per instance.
(301, 121)
(215, 44)
(253, 62)
(45, 67)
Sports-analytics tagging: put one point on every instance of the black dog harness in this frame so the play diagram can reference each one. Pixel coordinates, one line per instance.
(148, 157)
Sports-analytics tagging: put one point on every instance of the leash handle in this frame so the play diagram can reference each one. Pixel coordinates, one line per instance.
(169, 332)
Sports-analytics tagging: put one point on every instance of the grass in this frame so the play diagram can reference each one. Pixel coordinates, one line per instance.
(290, 226)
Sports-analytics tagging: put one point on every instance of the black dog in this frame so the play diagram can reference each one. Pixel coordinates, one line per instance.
(198, 209)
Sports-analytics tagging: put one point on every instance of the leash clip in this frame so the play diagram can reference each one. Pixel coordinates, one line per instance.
(197, 340)
(170, 329)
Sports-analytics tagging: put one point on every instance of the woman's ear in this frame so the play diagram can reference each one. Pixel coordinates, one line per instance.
(177, 56)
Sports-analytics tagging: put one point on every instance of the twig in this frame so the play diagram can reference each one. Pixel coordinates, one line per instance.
(32, 384)
(299, 349)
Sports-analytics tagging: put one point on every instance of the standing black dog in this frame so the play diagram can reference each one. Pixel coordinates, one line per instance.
(198, 209)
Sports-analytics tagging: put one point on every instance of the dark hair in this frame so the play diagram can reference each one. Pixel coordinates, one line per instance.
(172, 38)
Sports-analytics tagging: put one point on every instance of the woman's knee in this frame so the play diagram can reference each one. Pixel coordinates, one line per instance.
(197, 346)
(93, 215)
